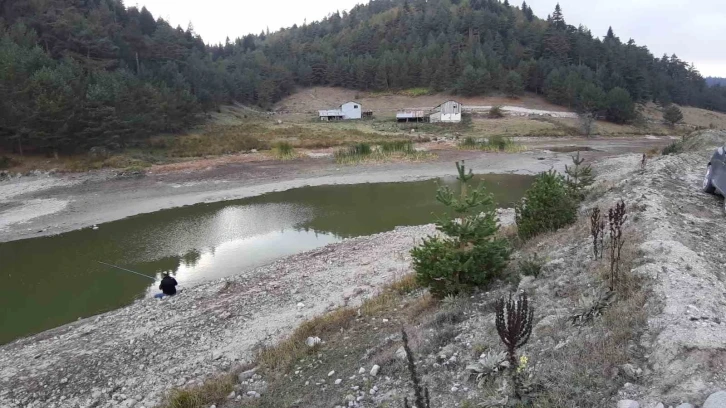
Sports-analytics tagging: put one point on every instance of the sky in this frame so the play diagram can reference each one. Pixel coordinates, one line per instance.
(694, 30)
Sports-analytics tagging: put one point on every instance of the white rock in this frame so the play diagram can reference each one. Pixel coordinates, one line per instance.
(716, 400)
(361, 370)
(685, 405)
(300, 305)
(454, 389)
(231, 395)
(628, 404)
(338, 381)
(401, 353)
(313, 341)
(372, 391)
(375, 369)
(330, 374)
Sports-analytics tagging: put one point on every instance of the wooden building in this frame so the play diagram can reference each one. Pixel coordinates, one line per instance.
(346, 111)
(447, 112)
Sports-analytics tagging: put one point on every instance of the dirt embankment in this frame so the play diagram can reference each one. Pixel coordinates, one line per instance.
(660, 342)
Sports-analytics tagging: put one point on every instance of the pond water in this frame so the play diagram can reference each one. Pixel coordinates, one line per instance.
(46, 282)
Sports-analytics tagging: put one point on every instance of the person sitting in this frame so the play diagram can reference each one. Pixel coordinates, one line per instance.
(167, 286)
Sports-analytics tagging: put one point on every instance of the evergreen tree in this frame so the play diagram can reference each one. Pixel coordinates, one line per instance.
(513, 86)
(619, 106)
(591, 99)
(672, 115)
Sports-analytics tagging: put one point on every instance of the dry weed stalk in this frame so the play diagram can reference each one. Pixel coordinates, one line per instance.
(616, 219)
(421, 394)
(597, 230)
(514, 325)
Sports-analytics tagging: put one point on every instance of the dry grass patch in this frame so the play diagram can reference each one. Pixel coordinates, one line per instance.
(516, 126)
(280, 356)
(213, 391)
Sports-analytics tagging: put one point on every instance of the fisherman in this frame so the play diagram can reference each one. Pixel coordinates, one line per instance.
(167, 286)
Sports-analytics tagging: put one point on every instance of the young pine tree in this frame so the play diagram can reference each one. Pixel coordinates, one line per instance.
(578, 177)
(672, 115)
(468, 252)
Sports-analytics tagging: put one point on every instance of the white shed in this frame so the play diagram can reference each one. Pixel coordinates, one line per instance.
(348, 110)
(449, 111)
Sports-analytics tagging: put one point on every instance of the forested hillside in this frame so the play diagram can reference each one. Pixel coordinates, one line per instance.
(713, 81)
(81, 73)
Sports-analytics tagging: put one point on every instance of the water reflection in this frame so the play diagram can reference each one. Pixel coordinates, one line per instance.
(45, 282)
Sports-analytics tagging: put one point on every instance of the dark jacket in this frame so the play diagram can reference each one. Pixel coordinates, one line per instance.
(168, 285)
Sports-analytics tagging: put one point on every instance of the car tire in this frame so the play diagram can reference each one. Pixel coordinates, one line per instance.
(708, 182)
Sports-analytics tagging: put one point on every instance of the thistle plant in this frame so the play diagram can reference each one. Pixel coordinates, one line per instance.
(514, 325)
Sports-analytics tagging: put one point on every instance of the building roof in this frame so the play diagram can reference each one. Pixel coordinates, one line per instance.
(449, 100)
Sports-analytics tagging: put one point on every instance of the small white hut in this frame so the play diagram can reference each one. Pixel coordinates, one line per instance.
(348, 110)
(448, 112)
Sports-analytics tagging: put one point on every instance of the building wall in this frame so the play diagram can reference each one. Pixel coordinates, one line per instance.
(451, 107)
(445, 117)
(351, 110)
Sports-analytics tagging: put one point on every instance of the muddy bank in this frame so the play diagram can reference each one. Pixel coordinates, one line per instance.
(69, 202)
(98, 198)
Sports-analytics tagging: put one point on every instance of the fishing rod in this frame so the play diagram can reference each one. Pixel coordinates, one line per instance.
(127, 270)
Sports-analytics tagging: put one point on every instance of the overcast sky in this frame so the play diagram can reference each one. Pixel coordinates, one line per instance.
(694, 30)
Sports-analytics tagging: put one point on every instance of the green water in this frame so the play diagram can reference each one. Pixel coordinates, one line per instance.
(46, 282)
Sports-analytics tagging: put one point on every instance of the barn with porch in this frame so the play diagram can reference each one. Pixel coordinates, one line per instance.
(447, 112)
(346, 111)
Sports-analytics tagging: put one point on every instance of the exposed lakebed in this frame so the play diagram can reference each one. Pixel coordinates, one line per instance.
(53, 280)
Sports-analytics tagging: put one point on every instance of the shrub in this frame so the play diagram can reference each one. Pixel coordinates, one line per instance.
(283, 150)
(672, 115)
(495, 143)
(397, 146)
(6, 162)
(531, 266)
(355, 152)
(546, 206)
(673, 148)
(500, 142)
(469, 143)
(470, 253)
(496, 112)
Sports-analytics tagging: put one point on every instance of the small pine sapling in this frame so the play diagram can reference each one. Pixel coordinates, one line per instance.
(469, 252)
(616, 219)
(579, 177)
(421, 394)
(514, 325)
(643, 162)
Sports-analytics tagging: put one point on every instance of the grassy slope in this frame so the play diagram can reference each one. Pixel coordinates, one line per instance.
(237, 129)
